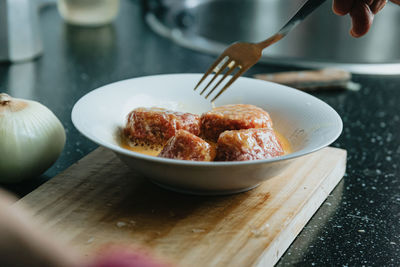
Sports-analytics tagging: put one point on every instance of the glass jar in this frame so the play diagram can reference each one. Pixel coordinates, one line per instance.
(88, 12)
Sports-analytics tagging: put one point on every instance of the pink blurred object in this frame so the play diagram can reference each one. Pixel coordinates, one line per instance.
(125, 257)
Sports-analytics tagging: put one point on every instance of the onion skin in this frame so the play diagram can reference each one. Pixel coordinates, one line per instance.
(31, 139)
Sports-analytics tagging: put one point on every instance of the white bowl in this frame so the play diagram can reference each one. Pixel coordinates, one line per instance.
(307, 122)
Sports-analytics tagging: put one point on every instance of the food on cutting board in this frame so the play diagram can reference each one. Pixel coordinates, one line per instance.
(248, 144)
(233, 117)
(187, 146)
(155, 126)
(234, 132)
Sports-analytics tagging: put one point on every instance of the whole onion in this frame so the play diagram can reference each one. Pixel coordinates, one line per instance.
(31, 139)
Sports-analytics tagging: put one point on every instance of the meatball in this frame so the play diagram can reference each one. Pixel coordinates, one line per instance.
(249, 144)
(187, 146)
(156, 125)
(233, 117)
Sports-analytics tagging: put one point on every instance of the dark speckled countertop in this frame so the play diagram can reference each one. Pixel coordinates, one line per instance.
(358, 224)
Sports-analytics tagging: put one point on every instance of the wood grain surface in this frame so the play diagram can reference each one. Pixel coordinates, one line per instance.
(99, 201)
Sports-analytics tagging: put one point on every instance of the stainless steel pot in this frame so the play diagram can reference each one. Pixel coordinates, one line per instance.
(323, 39)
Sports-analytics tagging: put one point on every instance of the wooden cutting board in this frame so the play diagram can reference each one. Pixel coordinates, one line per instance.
(99, 201)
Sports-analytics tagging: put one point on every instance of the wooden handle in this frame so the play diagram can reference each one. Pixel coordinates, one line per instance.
(311, 79)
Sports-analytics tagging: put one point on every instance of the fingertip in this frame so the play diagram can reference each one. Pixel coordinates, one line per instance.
(338, 12)
(377, 6)
(362, 18)
(342, 7)
(359, 31)
(355, 34)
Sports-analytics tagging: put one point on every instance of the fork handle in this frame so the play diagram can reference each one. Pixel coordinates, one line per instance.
(298, 17)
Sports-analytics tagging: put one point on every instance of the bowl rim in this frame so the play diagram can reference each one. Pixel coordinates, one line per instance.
(117, 149)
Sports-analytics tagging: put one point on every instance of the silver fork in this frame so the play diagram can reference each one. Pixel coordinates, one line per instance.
(242, 56)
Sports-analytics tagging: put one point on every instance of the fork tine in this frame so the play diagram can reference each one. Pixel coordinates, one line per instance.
(210, 69)
(222, 79)
(237, 75)
(223, 67)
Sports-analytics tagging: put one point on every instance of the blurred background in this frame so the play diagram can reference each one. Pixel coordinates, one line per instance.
(47, 58)
(321, 40)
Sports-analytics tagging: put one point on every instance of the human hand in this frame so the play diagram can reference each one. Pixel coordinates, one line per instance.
(362, 13)
(23, 243)
(126, 256)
